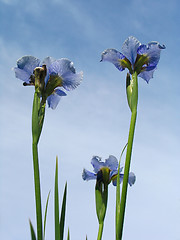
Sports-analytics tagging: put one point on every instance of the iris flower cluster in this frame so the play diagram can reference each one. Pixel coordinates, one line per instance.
(136, 57)
(59, 75)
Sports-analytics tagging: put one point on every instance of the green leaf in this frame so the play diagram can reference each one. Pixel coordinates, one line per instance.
(68, 237)
(56, 203)
(45, 215)
(63, 211)
(33, 235)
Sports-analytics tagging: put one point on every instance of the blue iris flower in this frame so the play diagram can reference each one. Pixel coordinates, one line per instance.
(136, 57)
(110, 168)
(61, 68)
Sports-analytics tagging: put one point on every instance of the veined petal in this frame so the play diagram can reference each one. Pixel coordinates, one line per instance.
(111, 163)
(153, 50)
(21, 74)
(132, 178)
(54, 98)
(62, 66)
(47, 61)
(71, 80)
(147, 75)
(113, 56)
(28, 64)
(129, 49)
(97, 164)
(86, 175)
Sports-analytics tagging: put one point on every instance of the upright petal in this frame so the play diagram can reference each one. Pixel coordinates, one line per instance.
(97, 164)
(62, 66)
(113, 56)
(129, 49)
(86, 175)
(54, 98)
(112, 163)
(47, 61)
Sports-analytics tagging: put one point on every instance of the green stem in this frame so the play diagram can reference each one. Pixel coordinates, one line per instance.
(35, 137)
(37, 192)
(101, 225)
(128, 154)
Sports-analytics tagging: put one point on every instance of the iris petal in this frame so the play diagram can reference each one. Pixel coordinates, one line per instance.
(111, 163)
(62, 66)
(147, 75)
(113, 56)
(129, 49)
(71, 80)
(97, 164)
(54, 98)
(28, 63)
(132, 178)
(21, 74)
(86, 175)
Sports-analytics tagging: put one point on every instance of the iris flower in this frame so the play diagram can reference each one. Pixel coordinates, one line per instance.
(136, 57)
(106, 171)
(61, 70)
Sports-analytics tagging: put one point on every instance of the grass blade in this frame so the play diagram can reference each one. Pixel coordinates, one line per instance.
(33, 235)
(56, 204)
(45, 214)
(63, 211)
(68, 237)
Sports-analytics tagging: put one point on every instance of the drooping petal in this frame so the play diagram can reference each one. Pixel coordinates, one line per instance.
(21, 74)
(28, 63)
(71, 80)
(147, 75)
(114, 181)
(62, 66)
(113, 56)
(96, 163)
(132, 178)
(129, 49)
(86, 175)
(111, 163)
(54, 98)
(152, 50)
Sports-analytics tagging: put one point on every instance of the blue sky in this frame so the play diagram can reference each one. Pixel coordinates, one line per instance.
(94, 118)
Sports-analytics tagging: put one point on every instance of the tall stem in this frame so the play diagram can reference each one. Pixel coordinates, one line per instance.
(134, 99)
(35, 137)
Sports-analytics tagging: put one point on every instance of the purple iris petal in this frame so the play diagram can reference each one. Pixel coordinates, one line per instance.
(153, 50)
(111, 163)
(147, 75)
(129, 49)
(86, 175)
(54, 98)
(97, 164)
(113, 56)
(25, 67)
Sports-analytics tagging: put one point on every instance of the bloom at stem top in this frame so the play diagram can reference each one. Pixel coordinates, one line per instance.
(106, 171)
(59, 74)
(136, 57)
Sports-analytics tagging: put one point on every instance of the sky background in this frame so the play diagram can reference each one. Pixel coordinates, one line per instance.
(93, 119)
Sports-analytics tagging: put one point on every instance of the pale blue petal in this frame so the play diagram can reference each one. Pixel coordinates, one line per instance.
(113, 56)
(111, 163)
(152, 50)
(47, 61)
(62, 66)
(97, 164)
(21, 74)
(71, 80)
(86, 175)
(147, 75)
(132, 178)
(114, 181)
(129, 49)
(28, 64)
(54, 98)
